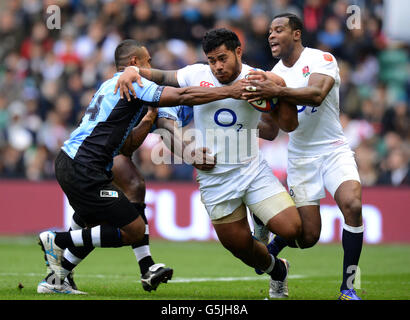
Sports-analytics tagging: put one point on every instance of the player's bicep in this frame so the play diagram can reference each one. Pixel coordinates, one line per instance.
(322, 82)
(171, 97)
(150, 93)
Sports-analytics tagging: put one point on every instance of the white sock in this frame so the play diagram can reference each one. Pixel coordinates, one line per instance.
(272, 264)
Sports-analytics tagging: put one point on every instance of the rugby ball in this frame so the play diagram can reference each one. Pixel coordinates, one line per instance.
(268, 105)
(264, 105)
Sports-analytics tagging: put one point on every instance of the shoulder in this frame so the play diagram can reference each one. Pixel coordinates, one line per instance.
(319, 56)
(193, 70)
(197, 67)
(248, 68)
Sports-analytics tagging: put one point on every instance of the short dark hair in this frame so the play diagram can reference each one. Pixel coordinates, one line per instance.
(295, 22)
(217, 37)
(124, 51)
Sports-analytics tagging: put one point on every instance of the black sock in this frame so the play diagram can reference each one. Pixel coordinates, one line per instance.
(110, 237)
(279, 270)
(145, 263)
(257, 220)
(142, 254)
(63, 240)
(352, 246)
(277, 244)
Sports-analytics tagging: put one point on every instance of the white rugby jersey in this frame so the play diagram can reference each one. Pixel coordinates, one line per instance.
(319, 128)
(227, 127)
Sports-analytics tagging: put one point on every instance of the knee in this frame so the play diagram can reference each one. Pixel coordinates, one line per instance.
(136, 190)
(308, 240)
(287, 224)
(352, 211)
(134, 233)
(138, 186)
(292, 231)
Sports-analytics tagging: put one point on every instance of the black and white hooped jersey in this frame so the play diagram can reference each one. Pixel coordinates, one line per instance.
(107, 122)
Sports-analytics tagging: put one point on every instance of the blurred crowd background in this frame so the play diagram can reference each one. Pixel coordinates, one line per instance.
(48, 76)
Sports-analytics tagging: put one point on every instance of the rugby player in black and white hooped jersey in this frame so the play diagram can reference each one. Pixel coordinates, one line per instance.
(319, 157)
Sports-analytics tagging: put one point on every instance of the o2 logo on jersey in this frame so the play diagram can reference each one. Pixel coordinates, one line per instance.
(226, 118)
(302, 108)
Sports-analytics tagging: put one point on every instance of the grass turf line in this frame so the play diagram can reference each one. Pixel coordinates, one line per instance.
(113, 274)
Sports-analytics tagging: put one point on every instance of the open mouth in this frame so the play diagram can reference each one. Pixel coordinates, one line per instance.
(274, 46)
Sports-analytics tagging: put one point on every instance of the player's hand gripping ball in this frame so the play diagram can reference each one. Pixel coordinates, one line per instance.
(264, 105)
(267, 105)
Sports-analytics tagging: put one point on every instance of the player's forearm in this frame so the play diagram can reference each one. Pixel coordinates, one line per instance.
(141, 131)
(201, 95)
(174, 141)
(308, 96)
(137, 136)
(162, 77)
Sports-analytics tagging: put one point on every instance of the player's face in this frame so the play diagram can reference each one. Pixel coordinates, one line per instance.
(281, 38)
(225, 64)
(144, 60)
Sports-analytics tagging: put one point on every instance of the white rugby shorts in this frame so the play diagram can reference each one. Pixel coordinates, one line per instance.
(224, 193)
(308, 177)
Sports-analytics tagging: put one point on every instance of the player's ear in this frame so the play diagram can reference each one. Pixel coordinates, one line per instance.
(133, 61)
(297, 35)
(238, 52)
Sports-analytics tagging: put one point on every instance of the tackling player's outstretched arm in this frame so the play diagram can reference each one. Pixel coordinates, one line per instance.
(313, 95)
(190, 96)
(134, 74)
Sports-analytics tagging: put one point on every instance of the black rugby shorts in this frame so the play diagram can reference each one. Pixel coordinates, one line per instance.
(92, 195)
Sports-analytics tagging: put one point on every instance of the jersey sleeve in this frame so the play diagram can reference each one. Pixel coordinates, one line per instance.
(186, 76)
(325, 63)
(168, 113)
(182, 114)
(150, 93)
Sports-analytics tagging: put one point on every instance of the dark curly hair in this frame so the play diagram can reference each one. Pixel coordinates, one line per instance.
(217, 37)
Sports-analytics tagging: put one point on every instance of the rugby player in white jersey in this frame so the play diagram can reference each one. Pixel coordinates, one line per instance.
(241, 178)
(319, 156)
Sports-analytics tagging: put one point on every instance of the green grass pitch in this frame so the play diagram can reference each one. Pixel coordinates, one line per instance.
(206, 271)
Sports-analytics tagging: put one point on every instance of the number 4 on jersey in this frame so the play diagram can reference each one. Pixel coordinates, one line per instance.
(93, 110)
